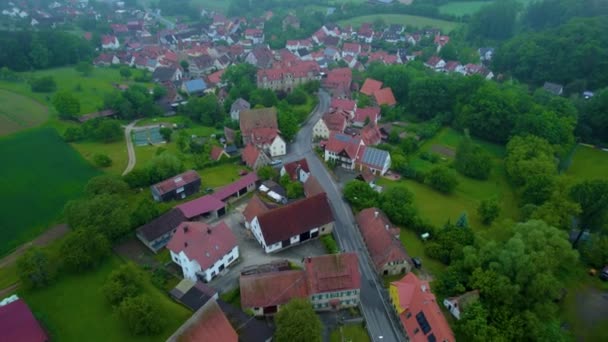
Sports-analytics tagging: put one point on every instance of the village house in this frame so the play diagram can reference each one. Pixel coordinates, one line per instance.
(167, 74)
(312, 187)
(217, 153)
(366, 115)
(420, 315)
(554, 88)
(255, 35)
(201, 65)
(370, 86)
(333, 121)
(288, 77)
(338, 82)
(195, 87)
(456, 305)
(385, 97)
(255, 207)
(254, 158)
(177, 187)
(208, 323)
(17, 322)
(260, 127)
(156, 234)
(435, 63)
(203, 251)
(109, 42)
(237, 106)
(297, 170)
(346, 105)
(261, 57)
(371, 134)
(351, 153)
(330, 282)
(382, 241)
(351, 49)
(293, 224)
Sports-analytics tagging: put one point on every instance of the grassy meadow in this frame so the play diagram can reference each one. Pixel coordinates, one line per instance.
(35, 185)
(18, 112)
(589, 163)
(353, 333)
(75, 307)
(407, 20)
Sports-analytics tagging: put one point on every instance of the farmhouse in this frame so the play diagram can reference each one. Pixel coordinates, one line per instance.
(178, 187)
(287, 77)
(253, 157)
(238, 188)
(17, 323)
(364, 115)
(297, 170)
(346, 105)
(370, 86)
(264, 293)
(338, 82)
(293, 224)
(382, 241)
(312, 187)
(167, 74)
(156, 233)
(207, 324)
(333, 121)
(236, 108)
(203, 251)
(251, 119)
(456, 305)
(385, 96)
(255, 207)
(204, 207)
(415, 304)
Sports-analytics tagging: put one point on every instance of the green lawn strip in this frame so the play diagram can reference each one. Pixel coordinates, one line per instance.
(352, 333)
(117, 151)
(8, 275)
(404, 19)
(74, 307)
(217, 176)
(589, 163)
(36, 182)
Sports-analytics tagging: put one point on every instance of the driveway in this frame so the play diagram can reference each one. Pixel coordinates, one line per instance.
(130, 148)
(251, 253)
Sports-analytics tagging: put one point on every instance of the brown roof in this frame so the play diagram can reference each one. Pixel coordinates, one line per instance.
(200, 206)
(254, 208)
(258, 118)
(229, 190)
(335, 121)
(292, 168)
(177, 181)
(370, 86)
(371, 134)
(202, 242)
(332, 272)
(250, 155)
(385, 96)
(312, 187)
(229, 134)
(217, 153)
(208, 324)
(161, 225)
(382, 246)
(275, 288)
(295, 218)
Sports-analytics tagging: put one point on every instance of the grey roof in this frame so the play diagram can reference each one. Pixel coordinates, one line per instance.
(161, 225)
(553, 88)
(375, 157)
(239, 105)
(196, 85)
(163, 74)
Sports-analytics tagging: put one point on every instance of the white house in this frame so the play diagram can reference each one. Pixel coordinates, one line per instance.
(109, 43)
(293, 224)
(203, 251)
(236, 108)
(297, 170)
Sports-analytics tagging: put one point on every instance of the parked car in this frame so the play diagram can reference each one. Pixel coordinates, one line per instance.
(417, 262)
(276, 162)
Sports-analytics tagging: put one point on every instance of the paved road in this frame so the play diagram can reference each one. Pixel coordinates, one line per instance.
(130, 148)
(381, 323)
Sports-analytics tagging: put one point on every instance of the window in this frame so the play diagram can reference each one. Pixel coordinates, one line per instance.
(416, 331)
(409, 314)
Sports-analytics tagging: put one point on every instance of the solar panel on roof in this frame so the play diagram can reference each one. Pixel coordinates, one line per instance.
(432, 338)
(374, 156)
(423, 323)
(342, 137)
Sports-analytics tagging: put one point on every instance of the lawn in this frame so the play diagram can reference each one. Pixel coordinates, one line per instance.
(91, 90)
(352, 333)
(117, 151)
(41, 173)
(217, 176)
(18, 112)
(408, 20)
(589, 163)
(461, 8)
(74, 309)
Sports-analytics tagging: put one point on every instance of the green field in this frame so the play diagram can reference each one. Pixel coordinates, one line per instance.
(589, 163)
(461, 8)
(36, 185)
(18, 112)
(353, 333)
(407, 20)
(74, 309)
(89, 89)
(217, 176)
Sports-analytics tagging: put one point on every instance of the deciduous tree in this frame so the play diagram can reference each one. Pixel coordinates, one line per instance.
(488, 210)
(83, 250)
(35, 268)
(297, 321)
(124, 282)
(442, 179)
(142, 315)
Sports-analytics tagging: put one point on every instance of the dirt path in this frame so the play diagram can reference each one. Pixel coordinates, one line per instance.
(130, 148)
(42, 240)
(5, 292)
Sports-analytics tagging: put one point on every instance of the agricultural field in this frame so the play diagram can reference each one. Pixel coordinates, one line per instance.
(408, 20)
(36, 185)
(89, 89)
(438, 208)
(18, 112)
(588, 163)
(61, 309)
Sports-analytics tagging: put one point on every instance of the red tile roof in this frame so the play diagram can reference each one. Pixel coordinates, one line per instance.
(216, 77)
(370, 86)
(333, 272)
(217, 152)
(335, 121)
(368, 112)
(200, 206)
(385, 96)
(177, 181)
(343, 104)
(257, 118)
(274, 288)
(339, 142)
(295, 218)
(210, 324)
(202, 242)
(339, 78)
(254, 208)
(229, 190)
(371, 134)
(293, 167)
(415, 297)
(250, 155)
(351, 47)
(262, 136)
(17, 323)
(312, 187)
(381, 244)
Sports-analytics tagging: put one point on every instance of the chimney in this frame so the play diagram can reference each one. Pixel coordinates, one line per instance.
(185, 244)
(376, 214)
(185, 229)
(208, 230)
(386, 227)
(423, 288)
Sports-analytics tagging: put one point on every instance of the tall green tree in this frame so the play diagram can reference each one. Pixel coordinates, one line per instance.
(472, 160)
(66, 104)
(360, 195)
(106, 184)
(83, 250)
(495, 21)
(488, 210)
(297, 321)
(142, 315)
(35, 269)
(592, 196)
(442, 179)
(529, 157)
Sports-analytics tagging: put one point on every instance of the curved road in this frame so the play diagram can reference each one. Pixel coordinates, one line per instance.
(381, 323)
(130, 148)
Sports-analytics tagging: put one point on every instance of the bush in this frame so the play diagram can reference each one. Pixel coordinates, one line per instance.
(125, 282)
(330, 244)
(430, 157)
(35, 269)
(297, 97)
(102, 160)
(166, 133)
(472, 161)
(142, 315)
(45, 84)
(442, 179)
(83, 250)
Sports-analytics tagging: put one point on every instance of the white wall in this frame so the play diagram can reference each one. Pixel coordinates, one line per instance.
(320, 130)
(278, 147)
(191, 267)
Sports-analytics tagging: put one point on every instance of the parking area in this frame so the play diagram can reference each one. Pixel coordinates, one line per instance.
(251, 253)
